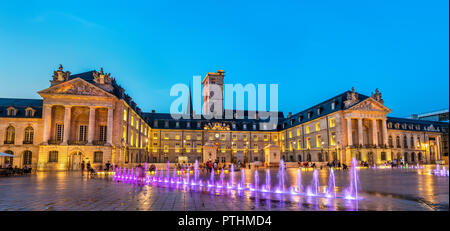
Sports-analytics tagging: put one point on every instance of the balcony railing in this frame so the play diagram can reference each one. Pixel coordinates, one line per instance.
(99, 142)
(27, 142)
(54, 142)
(9, 142)
(77, 142)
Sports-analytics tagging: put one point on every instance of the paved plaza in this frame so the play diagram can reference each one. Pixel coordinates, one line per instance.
(381, 189)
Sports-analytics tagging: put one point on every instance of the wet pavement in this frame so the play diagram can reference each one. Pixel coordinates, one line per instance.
(380, 189)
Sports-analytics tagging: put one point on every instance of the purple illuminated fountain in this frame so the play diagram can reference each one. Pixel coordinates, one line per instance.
(299, 180)
(313, 189)
(256, 181)
(281, 177)
(331, 189)
(268, 184)
(352, 191)
(231, 184)
(211, 179)
(242, 184)
(222, 179)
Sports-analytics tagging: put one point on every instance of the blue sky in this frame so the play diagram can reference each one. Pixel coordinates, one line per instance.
(314, 50)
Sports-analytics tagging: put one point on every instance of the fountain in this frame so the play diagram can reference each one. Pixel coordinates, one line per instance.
(299, 180)
(222, 178)
(331, 189)
(268, 184)
(313, 189)
(352, 191)
(242, 184)
(174, 176)
(256, 183)
(281, 177)
(196, 172)
(211, 179)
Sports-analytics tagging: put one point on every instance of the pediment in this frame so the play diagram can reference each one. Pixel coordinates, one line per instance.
(370, 105)
(76, 86)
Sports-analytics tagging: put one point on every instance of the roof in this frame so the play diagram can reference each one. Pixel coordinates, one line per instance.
(20, 105)
(417, 125)
(324, 107)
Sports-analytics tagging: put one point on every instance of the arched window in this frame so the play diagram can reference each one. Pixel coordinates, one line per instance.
(29, 135)
(397, 140)
(27, 156)
(9, 160)
(53, 156)
(405, 157)
(10, 135)
(391, 142)
(413, 157)
(405, 142)
(419, 156)
(299, 157)
(320, 157)
(412, 141)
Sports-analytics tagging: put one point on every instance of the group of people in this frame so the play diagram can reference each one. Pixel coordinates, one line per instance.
(8, 170)
(332, 164)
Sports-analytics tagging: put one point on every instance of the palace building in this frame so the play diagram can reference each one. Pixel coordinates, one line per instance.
(89, 117)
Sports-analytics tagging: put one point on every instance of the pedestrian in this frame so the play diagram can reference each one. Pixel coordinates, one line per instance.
(82, 167)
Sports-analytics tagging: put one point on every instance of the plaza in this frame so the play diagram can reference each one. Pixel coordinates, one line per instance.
(395, 189)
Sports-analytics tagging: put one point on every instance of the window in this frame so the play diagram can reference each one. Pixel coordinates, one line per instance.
(98, 157)
(53, 156)
(255, 147)
(318, 141)
(234, 137)
(290, 134)
(333, 105)
(132, 121)
(11, 111)
(137, 125)
(166, 136)
(125, 115)
(127, 156)
(405, 142)
(102, 133)
(29, 134)
(29, 112)
(59, 132)
(397, 140)
(307, 130)
(199, 137)
(10, 135)
(275, 138)
(155, 147)
(332, 123)
(137, 140)
(391, 142)
(333, 139)
(124, 133)
(222, 136)
(211, 137)
(298, 132)
(83, 133)
(177, 137)
(155, 136)
(166, 148)
(383, 155)
(317, 126)
(188, 137)
(27, 157)
(234, 146)
(266, 137)
(299, 144)
(308, 142)
(131, 138)
(188, 147)
(245, 137)
(412, 141)
(177, 147)
(255, 137)
(155, 123)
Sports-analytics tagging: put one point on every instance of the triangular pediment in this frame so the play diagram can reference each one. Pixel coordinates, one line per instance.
(370, 104)
(76, 86)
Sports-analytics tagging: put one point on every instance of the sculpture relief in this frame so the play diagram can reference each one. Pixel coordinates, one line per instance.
(377, 96)
(352, 98)
(101, 77)
(60, 75)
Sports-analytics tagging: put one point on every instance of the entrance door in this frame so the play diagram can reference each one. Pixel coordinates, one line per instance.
(76, 161)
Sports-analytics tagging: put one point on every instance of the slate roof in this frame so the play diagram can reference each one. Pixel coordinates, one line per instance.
(423, 125)
(21, 105)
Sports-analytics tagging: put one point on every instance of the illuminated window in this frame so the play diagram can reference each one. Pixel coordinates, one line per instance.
(199, 137)
(155, 147)
(188, 137)
(332, 123)
(124, 133)
(298, 132)
(245, 137)
(308, 142)
(166, 148)
(255, 147)
(333, 139)
(155, 136)
(317, 126)
(222, 136)
(275, 138)
(125, 115)
(234, 137)
(132, 121)
(166, 136)
(177, 147)
(291, 148)
(299, 144)
(188, 147)
(177, 137)
(211, 137)
(199, 147)
(137, 125)
(266, 137)
(29, 133)
(318, 141)
(137, 140)
(255, 137)
(131, 138)
(290, 134)
(307, 129)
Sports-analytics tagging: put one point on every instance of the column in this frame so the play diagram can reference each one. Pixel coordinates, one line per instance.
(360, 131)
(91, 128)
(349, 131)
(374, 132)
(47, 122)
(109, 129)
(66, 124)
(384, 130)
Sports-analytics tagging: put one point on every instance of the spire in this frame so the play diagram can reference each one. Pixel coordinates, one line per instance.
(189, 109)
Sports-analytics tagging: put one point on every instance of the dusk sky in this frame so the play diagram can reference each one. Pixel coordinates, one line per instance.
(314, 50)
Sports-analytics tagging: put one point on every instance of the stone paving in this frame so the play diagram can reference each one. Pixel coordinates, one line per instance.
(388, 189)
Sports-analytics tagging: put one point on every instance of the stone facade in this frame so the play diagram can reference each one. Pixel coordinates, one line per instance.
(88, 117)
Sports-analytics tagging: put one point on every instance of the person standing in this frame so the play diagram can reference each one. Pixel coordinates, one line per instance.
(82, 167)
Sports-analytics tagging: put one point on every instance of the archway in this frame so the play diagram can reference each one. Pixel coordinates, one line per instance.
(370, 158)
(75, 160)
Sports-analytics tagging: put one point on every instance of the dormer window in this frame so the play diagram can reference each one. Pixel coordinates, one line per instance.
(309, 115)
(198, 124)
(29, 112)
(404, 126)
(177, 124)
(11, 111)
(292, 121)
(300, 118)
(319, 111)
(233, 125)
(333, 105)
(166, 124)
(417, 127)
(188, 124)
(389, 125)
(155, 123)
(245, 126)
(254, 126)
(397, 125)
